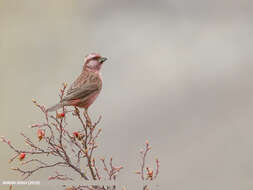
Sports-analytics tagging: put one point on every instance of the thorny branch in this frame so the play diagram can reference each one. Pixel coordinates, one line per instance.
(74, 149)
(57, 140)
(149, 174)
(59, 177)
(112, 171)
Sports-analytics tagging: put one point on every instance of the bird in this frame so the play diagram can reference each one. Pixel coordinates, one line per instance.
(85, 89)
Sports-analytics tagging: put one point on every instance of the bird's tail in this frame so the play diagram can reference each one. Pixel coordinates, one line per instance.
(55, 107)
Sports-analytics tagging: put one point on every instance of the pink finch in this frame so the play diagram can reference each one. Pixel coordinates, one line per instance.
(85, 89)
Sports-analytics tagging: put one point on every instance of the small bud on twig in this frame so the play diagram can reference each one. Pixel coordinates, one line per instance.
(40, 134)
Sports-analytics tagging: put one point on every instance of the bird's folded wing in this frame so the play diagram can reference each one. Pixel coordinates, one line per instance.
(81, 92)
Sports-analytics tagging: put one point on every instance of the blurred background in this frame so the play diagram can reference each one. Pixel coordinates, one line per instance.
(179, 74)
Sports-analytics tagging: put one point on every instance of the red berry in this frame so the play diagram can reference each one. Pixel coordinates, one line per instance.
(76, 134)
(21, 156)
(61, 115)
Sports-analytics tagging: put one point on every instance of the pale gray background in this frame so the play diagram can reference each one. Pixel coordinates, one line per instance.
(179, 74)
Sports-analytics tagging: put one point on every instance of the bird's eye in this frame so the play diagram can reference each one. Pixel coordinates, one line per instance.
(95, 59)
(98, 59)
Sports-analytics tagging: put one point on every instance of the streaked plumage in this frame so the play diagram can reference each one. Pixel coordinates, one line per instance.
(85, 89)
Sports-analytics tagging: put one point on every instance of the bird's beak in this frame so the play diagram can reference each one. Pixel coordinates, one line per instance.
(102, 59)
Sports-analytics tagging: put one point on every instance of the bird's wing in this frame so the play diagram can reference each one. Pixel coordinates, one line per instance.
(84, 88)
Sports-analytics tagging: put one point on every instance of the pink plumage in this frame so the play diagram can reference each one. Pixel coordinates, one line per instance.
(85, 89)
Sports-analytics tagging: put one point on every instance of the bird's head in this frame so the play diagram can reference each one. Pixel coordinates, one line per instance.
(94, 61)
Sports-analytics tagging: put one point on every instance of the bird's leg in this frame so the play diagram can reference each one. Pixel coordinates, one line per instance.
(87, 117)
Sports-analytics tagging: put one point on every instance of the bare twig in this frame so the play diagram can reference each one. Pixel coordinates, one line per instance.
(56, 139)
(59, 177)
(149, 175)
